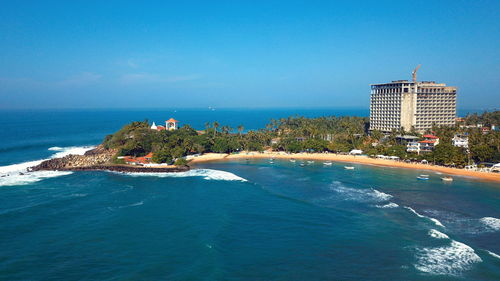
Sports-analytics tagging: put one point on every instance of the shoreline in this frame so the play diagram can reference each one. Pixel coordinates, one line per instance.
(209, 157)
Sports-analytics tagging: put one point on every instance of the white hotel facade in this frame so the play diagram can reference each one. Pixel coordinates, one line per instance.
(406, 104)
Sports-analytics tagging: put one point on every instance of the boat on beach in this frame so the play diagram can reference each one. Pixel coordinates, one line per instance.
(349, 167)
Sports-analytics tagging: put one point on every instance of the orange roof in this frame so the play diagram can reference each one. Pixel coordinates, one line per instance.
(160, 128)
(172, 120)
(149, 155)
(427, 141)
(430, 137)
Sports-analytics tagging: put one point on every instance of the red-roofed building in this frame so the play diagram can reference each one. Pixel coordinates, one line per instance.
(429, 143)
(171, 124)
(131, 160)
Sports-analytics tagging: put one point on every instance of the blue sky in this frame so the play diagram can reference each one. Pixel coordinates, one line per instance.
(121, 54)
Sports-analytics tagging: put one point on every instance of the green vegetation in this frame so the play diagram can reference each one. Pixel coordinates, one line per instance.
(300, 134)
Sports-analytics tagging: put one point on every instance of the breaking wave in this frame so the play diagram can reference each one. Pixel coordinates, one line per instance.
(446, 260)
(435, 221)
(389, 205)
(17, 174)
(207, 174)
(361, 195)
(437, 234)
(491, 222)
(493, 254)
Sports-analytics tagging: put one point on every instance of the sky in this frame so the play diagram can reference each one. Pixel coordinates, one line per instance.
(196, 54)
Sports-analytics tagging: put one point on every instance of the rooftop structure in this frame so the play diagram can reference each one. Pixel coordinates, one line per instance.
(171, 124)
(406, 104)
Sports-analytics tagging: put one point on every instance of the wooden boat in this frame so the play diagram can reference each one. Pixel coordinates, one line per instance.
(349, 167)
(447, 179)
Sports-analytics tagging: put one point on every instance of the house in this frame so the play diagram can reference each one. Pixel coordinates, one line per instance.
(460, 141)
(426, 145)
(141, 161)
(413, 146)
(171, 124)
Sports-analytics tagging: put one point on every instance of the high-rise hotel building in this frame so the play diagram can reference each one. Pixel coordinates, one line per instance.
(410, 104)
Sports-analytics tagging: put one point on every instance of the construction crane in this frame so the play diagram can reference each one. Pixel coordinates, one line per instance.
(414, 73)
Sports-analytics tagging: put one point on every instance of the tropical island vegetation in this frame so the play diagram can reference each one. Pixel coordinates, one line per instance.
(299, 134)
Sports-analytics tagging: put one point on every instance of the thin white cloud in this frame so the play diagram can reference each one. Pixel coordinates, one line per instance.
(149, 78)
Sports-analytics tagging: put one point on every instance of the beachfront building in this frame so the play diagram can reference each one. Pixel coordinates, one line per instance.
(411, 104)
(426, 145)
(460, 141)
(171, 124)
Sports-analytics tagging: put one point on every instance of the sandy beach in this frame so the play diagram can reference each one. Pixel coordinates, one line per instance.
(345, 158)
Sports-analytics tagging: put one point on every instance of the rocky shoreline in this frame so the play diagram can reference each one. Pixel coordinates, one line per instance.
(98, 159)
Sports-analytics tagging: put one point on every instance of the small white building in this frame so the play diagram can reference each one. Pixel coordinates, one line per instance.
(460, 141)
(356, 152)
(171, 124)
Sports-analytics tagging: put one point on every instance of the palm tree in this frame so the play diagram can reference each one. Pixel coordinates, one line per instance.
(216, 125)
(240, 129)
(207, 126)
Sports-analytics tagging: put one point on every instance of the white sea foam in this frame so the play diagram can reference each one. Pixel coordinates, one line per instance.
(207, 174)
(493, 254)
(437, 234)
(389, 205)
(132, 205)
(360, 194)
(446, 260)
(64, 151)
(17, 174)
(491, 222)
(435, 221)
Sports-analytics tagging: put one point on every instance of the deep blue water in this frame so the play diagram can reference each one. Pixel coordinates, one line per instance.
(240, 220)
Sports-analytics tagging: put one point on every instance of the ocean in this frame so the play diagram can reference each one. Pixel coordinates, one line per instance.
(239, 220)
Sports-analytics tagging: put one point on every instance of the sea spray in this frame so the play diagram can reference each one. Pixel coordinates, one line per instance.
(17, 174)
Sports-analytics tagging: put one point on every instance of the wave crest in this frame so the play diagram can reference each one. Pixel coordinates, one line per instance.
(446, 260)
(437, 234)
(491, 222)
(17, 174)
(207, 174)
(360, 195)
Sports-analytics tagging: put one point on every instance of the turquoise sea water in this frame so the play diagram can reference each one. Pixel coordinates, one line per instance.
(240, 220)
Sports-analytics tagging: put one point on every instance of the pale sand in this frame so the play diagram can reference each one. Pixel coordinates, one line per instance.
(345, 158)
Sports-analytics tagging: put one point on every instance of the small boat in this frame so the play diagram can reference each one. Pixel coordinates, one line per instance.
(310, 162)
(271, 162)
(349, 167)
(328, 163)
(302, 164)
(447, 179)
(292, 160)
(422, 178)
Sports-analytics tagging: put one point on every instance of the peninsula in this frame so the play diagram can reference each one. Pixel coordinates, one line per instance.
(145, 147)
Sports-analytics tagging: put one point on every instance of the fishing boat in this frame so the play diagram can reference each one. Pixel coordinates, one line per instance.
(447, 179)
(349, 167)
